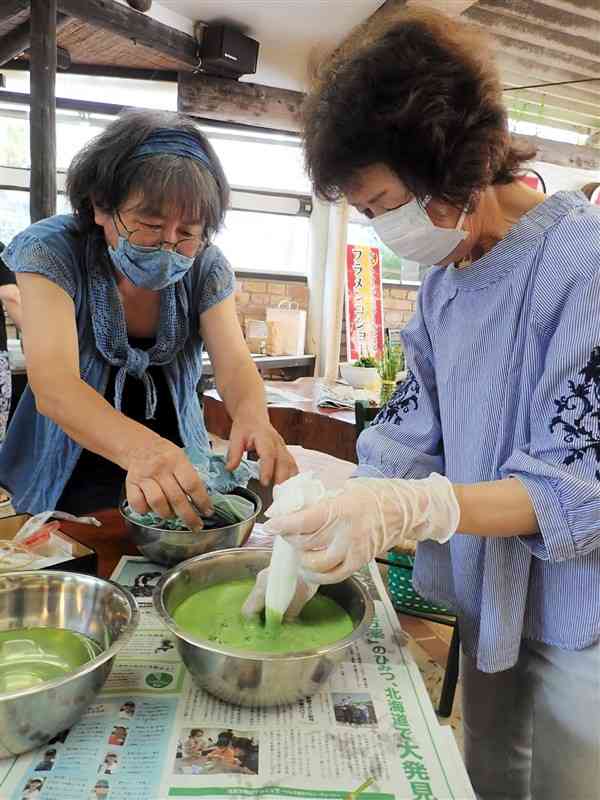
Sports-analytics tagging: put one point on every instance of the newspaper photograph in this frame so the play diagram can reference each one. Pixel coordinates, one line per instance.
(152, 734)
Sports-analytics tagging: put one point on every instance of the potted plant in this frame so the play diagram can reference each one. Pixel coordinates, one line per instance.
(362, 373)
(389, 366)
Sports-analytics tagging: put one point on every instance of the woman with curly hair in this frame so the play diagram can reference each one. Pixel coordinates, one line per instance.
(120, 299)
(488, 454)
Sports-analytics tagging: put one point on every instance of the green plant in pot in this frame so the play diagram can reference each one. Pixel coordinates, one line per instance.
(390, 364)
(367, 361)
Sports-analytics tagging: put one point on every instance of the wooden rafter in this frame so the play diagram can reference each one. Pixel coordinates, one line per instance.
(15, 42)
(134, 25)
(8, 8)
(233, 101)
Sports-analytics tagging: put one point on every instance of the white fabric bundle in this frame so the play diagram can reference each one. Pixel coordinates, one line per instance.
(295, 494)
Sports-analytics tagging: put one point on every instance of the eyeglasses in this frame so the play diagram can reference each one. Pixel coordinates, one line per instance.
(148, 240)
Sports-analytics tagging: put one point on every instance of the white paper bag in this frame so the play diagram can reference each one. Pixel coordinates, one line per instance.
(293, 326)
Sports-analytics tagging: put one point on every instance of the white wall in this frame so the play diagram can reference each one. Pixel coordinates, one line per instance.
(564, 178)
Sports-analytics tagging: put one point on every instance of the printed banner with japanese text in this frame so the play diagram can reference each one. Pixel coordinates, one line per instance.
(364, 302)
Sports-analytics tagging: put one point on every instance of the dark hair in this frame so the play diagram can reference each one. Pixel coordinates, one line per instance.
(589, 189)
(104, 172)
(224, 738)
(420, 93)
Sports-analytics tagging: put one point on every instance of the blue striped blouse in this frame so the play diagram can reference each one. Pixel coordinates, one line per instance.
(504, 380)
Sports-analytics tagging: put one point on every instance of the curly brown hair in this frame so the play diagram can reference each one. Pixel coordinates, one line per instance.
(419, 92)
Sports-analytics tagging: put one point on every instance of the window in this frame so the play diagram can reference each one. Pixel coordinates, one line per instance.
(261, 161)
(14, 211)
(259, 242)
(14, 136)
(267, 228)
(73, 130)
(125, 91)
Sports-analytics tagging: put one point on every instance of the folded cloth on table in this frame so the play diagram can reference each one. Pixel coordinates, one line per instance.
(228, 509)
(219, 481)
(215, 476)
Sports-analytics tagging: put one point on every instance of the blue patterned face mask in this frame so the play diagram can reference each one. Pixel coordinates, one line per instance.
(149, 268)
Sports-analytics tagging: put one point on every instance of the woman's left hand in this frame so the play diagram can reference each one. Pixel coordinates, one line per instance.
(276, 462)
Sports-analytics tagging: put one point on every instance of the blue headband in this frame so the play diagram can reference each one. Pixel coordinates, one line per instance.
(176, 142)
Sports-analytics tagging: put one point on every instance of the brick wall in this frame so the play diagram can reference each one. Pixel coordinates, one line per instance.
(254, 296)
(399, 303)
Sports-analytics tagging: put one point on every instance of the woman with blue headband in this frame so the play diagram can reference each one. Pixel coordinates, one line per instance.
(119, 301)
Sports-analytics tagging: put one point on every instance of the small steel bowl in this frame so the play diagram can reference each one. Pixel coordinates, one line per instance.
(97, 608)
(246, 677)
(171, 547)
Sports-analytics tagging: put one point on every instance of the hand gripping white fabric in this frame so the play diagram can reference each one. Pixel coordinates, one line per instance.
(280, 589)
(340, 534)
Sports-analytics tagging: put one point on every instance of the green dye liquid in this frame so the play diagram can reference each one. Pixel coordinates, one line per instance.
(215, 614)
(30, 656)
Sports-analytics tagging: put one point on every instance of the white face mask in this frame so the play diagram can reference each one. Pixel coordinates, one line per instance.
(410, 234)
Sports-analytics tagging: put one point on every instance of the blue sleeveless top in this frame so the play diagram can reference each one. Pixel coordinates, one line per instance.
(38, 457)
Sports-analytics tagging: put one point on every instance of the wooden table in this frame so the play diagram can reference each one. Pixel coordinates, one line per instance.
(111, 540)
(300, 423)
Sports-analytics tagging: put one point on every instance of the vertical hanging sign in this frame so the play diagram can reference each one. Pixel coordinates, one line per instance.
(364, 302)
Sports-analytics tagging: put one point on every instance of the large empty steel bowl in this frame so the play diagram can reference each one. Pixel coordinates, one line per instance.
(171, 547)
(246, 677)
(94, 607)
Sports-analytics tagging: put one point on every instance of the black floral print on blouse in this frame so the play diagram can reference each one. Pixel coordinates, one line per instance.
(581, 429)
(404, 399)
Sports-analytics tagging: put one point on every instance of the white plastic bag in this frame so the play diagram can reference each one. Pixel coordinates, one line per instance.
(36, 544)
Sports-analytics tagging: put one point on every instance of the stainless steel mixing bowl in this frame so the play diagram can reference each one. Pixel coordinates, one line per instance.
(97, 608)
(246, 677)
(171, 547)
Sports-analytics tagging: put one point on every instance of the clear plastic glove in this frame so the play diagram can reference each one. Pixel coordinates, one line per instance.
(336, 537)
(255, 602)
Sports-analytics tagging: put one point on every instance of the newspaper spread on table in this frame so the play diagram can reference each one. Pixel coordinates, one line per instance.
(152, 734)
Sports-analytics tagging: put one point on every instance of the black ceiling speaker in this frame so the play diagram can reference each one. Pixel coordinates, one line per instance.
(227, 52)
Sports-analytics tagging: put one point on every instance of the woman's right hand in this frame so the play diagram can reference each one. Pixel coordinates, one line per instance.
(159, 476)
(255, 602)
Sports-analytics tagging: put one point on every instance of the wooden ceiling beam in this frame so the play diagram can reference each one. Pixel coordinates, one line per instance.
(454, 8)
(561, 153)
(134, 25)
(100, 71)
(553, 20)
(9, 8)
(224, 99)
(13, 43)
(18, 40)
